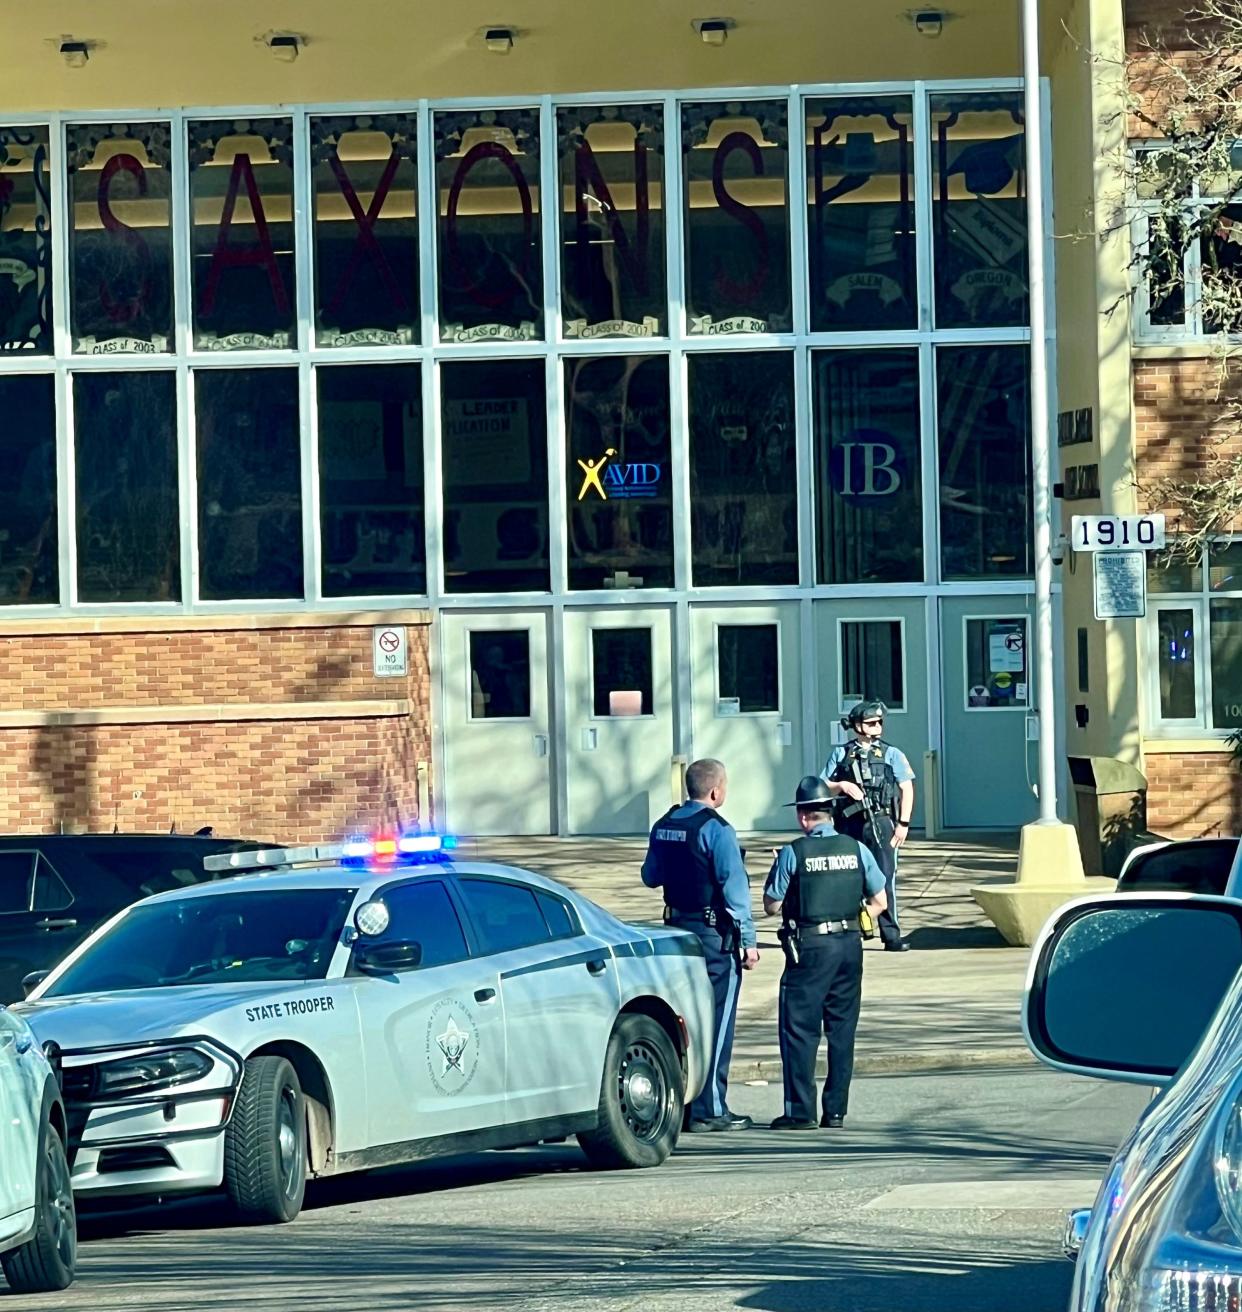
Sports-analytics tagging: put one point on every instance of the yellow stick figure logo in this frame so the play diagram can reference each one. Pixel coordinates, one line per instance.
(592, 470)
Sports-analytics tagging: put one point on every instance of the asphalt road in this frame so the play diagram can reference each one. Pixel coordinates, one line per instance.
(946, 1193)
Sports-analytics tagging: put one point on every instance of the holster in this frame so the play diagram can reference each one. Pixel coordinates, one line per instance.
(866, 922)
(791, 944)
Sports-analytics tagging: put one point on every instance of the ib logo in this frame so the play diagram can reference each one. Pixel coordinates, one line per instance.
(866, 465)
(607, 478)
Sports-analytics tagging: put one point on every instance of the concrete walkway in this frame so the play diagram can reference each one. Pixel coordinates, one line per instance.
(950, 1003)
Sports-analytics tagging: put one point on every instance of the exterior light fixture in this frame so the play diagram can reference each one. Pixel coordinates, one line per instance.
(928, 22)
(75, 53)
(499, 40)
(284, 46)
(713, 31)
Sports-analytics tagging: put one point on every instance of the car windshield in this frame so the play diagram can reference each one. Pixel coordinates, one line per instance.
(265, 934)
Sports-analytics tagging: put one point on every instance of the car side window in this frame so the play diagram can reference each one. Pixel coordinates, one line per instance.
(562, 920)
(15, 872)
(423, 913)
(507, 916)
(50, 891)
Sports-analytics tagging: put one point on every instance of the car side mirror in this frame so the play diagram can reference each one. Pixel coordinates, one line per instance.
(1123, 987)
(32, 981)
(387, 958)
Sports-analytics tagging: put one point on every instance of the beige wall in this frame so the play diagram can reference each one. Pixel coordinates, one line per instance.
(169, 53)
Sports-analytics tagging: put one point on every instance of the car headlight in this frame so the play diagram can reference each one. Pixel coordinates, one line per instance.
(1227, 1160)
(151, 1072)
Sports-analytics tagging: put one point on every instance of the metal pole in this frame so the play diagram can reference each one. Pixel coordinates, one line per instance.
(1040, 427)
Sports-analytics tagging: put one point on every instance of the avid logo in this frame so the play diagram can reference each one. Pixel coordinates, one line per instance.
(609, 478)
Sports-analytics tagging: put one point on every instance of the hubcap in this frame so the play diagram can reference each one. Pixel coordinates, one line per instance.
(643, 1091)
(287, 1143)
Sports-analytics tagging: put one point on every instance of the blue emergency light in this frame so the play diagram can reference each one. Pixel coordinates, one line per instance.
(403, 849)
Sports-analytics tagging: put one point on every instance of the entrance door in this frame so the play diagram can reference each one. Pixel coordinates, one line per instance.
(619, 689)
(874, 649)
(747, 706)
(988, 682)
(497, 764)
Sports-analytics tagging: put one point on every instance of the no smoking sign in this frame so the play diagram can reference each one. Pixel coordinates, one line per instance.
(389, 653)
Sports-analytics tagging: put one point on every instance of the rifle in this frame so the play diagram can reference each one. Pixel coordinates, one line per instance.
(871, 825)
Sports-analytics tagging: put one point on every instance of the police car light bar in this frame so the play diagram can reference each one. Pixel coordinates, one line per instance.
(357, 851)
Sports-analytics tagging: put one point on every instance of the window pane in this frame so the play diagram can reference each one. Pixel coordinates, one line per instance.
(1166, 282)
(50, 893)
(423, 913)
(748, 666)
(743, 499)
(500, 675)
(1178, 695)
(1220, 262)
(979, 209)
(621, 672)
(1225, 633)
(15, 869)
(371, 480)
(249, 484)
(490, 257)
(495, 452)
(28, 538)
(561, 923)
(1225, 567)
(985, 461)
(505, 916)
(125, 462)
(241, 197)
(735, 157)
(869, 503)
(121, 239)
(25, 242)
(860, 235)
(365, 176)
(1173, 575)
(620, 495)
(612, 220)
(871, 663)
(996, 663)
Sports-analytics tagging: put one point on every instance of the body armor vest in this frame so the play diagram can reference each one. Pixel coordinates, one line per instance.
(828, 879)
(864, 765)
(687, 876)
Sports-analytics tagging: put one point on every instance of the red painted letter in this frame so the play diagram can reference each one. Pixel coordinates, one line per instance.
(230, 257)
(743, 214)
(129, 307)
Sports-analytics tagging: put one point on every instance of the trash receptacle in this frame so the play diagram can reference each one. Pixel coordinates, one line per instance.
(1111, 799)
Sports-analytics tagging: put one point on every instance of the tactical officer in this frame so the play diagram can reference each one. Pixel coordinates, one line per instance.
(693, 855)
(816, 885)
(876, 783)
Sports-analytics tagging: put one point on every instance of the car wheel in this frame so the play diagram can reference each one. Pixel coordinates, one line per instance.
(641, 1098)
(265, 1143)
(46, 1261)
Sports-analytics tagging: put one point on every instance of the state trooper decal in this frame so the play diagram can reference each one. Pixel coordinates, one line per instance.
(452, 1047)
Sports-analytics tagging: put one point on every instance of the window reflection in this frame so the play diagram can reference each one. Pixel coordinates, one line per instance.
(125, 464)
(985, 461)
(1225, 635)
(748, 667)
(612, 220)
(860, 189)
(743, 473)
(621, 672)
(28, 537)
(871, 663)
(371, 480)
(1176, 666)
(495, 458)
(120, 237)
(735, 158)
(25, 241)
(979, 209)
(249, 484)
(499, 674)
(490, 258)
(620, 495)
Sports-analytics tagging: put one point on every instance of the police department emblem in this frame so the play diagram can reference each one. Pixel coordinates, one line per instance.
(452, 1047)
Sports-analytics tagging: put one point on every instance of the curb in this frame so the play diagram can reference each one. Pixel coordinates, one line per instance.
(897, 1063)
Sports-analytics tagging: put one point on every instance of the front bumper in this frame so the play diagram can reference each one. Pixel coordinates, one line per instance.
(158, 1166)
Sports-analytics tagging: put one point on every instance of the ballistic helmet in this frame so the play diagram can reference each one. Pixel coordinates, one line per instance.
(864, 711)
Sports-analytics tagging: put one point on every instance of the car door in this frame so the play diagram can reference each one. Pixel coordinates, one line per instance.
(560, 993)
(19, 1123)
(433, 1036)
(37, 924)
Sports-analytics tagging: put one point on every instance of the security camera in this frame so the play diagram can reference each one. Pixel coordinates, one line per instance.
(928, 22)
(1058, 549)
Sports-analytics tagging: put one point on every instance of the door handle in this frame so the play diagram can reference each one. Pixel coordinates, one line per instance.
(484, 995)
(45, 923)
(24, 1043)
(597, 967)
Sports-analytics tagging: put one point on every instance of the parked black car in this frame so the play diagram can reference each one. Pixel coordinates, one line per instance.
(1188, 865)
(56, 888)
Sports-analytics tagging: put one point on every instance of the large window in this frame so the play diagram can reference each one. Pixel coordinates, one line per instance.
(28, 539)
(25, 241)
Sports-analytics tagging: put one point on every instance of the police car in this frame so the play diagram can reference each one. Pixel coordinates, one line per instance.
(363, 1005)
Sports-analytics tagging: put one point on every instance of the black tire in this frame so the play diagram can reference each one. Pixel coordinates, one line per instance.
(265, 1144)
(641, 1098)
(46, 1261)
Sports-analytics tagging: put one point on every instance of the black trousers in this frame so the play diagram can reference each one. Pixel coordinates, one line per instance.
(821, 995)
(878, 841)
(724, 969)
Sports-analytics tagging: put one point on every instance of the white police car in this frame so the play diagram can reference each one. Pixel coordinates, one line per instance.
(384, 1005)
(38, 1230)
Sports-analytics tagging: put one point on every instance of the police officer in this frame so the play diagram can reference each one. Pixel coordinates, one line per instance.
(816, 885)
(693, 855)
(876, 783)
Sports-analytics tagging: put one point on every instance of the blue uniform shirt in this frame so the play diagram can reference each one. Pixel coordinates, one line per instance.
(718, 839)
(894, 758)
(786, 863)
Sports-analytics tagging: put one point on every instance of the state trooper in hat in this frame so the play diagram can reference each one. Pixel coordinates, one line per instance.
(816, 886)
(874, 785)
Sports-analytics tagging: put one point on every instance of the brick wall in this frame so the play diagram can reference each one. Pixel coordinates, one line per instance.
(1193, 794)
(293, 778)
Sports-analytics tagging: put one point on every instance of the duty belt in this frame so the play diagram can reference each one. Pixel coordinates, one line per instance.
(828, 927)
(708, 915)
